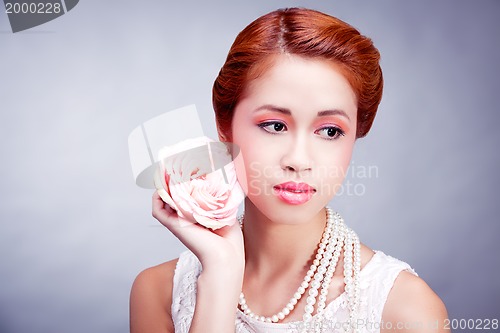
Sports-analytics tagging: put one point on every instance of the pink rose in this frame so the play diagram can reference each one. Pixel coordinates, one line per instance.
(197, 178)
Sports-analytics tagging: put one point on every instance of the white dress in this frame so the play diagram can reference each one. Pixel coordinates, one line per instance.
(376, 280)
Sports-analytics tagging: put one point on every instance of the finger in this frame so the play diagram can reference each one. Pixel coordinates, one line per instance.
(194, 236)
(161, 210)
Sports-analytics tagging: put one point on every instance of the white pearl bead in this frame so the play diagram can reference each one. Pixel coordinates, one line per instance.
(289, 306)
(315, 284)
(301, 290)
(275, 318)
(281, 315)
(311, 300)
(313, 292)
(293, 301)
(286, 311)
(309, 308)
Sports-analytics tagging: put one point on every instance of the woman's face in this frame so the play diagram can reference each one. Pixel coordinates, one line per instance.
(295, 127)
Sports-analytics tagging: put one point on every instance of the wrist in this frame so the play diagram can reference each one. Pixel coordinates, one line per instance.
(223, 276)
(217, 297)
(223, 264)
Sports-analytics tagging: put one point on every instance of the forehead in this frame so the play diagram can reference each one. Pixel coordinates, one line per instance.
(299, 83)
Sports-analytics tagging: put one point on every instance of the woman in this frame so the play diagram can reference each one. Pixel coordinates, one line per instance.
(296, 91)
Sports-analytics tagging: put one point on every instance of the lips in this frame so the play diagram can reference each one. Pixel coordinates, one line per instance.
(294, 193)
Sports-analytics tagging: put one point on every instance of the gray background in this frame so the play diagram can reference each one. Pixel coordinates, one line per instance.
(75, 230)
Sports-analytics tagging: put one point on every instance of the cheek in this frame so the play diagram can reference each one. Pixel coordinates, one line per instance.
(241, 173)
(251, 168)
(344, 157)
(335, 168)
(240, 140)
(248, 161)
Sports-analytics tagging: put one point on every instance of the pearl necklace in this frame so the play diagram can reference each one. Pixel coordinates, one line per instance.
(336, 236)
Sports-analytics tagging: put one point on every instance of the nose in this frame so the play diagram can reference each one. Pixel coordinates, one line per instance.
(297, 156)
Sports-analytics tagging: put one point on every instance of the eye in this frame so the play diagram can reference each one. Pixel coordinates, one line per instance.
(273, 127)
(330, 132)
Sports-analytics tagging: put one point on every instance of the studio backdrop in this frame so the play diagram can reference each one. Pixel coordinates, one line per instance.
(75, 229)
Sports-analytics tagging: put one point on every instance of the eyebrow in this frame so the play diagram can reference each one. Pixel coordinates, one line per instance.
(332, 112)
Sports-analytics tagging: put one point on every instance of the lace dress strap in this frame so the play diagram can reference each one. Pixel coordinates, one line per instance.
(184, 291)
(377, 282)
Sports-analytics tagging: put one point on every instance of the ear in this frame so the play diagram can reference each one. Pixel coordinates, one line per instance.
(223, 136)
(229, 144)
(223, 139)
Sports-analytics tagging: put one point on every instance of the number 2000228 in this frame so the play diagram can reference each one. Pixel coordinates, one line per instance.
(471, 324)
(33, 8)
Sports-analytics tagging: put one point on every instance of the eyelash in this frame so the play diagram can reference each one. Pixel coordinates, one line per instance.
(338, 131)
(269, 123)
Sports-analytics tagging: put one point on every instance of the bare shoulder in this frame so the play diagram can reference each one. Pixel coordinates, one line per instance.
(151, 299)
(412, 306)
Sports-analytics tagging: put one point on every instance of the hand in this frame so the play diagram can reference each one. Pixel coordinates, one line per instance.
(220, 248)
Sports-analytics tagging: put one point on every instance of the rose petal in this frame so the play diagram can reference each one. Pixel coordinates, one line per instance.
(189, 183)
(163, 190)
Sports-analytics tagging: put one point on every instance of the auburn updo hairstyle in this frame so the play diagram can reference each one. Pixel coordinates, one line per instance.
(307, 33)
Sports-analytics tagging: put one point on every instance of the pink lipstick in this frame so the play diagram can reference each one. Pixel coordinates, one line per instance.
(294, 193)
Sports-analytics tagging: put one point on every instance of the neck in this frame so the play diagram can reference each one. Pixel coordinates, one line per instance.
(272, 247)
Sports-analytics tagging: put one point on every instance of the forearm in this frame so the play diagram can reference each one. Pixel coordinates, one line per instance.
(216, 301)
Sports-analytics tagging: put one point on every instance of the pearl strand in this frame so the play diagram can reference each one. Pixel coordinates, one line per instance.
(324, 261)
(331, 269)
(337, 236)
(352, 266)
(353, 292)
(303, 286)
